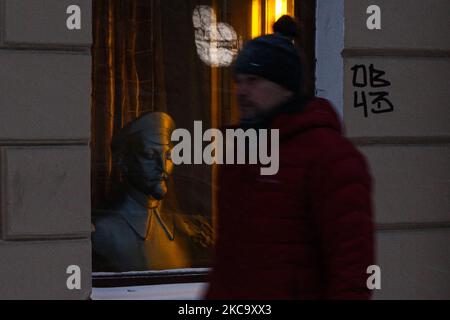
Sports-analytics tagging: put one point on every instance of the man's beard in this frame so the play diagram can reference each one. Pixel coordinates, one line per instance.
(251, 116)
(248, 110)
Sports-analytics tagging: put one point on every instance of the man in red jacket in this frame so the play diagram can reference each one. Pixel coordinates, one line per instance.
(306, 232)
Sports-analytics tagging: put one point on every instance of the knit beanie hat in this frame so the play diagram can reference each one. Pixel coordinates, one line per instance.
(273, 57)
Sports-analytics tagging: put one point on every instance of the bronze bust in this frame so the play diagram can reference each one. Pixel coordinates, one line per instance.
(136, 232)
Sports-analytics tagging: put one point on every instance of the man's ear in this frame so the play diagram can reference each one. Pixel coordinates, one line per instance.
(287, 94)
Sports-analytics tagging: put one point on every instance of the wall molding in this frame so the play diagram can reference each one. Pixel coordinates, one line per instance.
(7, 232)
(407, 226)
(395, 52)
(396, 141)
(45, 49)
(44, 143)
(47, 237)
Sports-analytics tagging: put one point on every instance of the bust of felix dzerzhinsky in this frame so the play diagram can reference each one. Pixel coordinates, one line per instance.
(136, 232)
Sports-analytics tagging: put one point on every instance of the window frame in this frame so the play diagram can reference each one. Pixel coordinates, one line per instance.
(305, 10)
(148, 278)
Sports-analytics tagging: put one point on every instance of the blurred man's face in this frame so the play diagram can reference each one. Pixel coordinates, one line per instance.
(150, 166)
(257, 95)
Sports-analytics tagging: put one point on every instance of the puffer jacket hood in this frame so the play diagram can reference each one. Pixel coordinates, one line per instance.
(317, 113)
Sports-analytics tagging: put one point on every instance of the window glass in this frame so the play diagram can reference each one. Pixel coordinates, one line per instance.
(157, 66)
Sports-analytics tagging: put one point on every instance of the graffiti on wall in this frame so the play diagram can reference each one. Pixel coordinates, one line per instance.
(369, 84)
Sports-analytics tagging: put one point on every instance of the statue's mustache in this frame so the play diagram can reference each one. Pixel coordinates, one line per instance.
(162, 177)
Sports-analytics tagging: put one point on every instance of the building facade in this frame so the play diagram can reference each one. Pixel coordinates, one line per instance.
(383, 64)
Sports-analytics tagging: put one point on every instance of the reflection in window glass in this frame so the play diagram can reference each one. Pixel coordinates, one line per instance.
(157, 66)
(217, 43)
(274, 9)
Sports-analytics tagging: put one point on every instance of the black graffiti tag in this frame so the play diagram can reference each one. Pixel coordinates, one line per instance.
(371, 78)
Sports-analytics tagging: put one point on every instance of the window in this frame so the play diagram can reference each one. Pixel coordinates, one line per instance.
(159, 65)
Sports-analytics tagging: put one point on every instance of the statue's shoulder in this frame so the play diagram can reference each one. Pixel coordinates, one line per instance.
(107, 221)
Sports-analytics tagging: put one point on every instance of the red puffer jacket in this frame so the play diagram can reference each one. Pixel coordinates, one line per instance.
(305, 233)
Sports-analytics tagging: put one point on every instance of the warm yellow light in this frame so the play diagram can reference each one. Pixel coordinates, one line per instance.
(280, 8)
(256, 18)
(275, 9)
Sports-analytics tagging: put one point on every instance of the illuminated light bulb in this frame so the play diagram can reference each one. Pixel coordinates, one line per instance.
(216, 42)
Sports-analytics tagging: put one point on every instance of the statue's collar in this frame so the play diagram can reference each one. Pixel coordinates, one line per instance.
(139, 217)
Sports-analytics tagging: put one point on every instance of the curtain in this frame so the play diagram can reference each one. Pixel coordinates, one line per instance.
(124, 80)
(145, 59)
